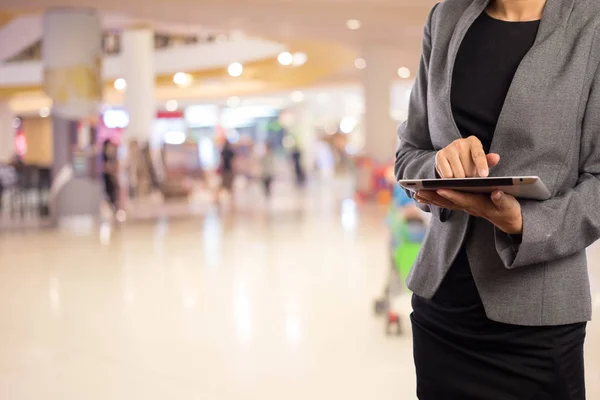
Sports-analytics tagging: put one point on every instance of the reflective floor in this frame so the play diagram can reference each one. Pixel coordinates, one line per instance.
(271, 302)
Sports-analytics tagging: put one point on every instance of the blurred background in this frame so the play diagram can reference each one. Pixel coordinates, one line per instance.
(197, 199)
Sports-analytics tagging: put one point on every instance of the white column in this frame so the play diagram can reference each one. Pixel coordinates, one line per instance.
(7, 133)
(72, 57)
(379, 127)
(139, 73)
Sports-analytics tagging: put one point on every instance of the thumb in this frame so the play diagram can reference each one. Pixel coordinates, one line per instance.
(503, 201)
(493, 159)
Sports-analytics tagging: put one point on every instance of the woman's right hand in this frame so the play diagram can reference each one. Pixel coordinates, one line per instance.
(465, 158)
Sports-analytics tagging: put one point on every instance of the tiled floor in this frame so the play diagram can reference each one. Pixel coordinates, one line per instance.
(257, 305)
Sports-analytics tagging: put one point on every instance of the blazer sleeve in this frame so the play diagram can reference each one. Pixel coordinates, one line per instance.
(570, 222)
(415, 155)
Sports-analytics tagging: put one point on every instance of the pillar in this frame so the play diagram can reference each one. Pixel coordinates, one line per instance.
(137, 46)
(7, 133)
(72, 58)
(379, 127)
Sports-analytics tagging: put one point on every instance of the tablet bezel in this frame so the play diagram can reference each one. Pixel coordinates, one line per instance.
(529, 187)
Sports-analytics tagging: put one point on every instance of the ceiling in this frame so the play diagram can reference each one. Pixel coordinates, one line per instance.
(396, 22)
(319, 24)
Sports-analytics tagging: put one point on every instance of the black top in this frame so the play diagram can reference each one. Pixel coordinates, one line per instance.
(483, 72)
(484, 69)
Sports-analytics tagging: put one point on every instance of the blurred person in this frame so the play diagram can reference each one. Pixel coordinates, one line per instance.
(267, 169)
(501, 287)
(8, 178)
(298, 168)
(227, 169)
(110, 171)
(134, 166)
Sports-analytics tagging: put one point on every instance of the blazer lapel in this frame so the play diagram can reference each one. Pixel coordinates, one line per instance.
(461, 29)
(547, 45)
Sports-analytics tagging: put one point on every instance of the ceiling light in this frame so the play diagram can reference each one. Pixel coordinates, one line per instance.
(171, 105)
(120, 84)
(233, 102)
(297, 96)
(235, 69)
(182, 79)
(404, 72)
(360, 63)
(44, 112)
(348, 124)
(285, 58)
(299, 58)
(353, 24)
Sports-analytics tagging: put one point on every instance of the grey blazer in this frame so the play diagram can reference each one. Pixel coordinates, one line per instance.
(549, 127)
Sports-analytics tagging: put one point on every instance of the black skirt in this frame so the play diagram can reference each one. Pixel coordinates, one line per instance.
(461, 354)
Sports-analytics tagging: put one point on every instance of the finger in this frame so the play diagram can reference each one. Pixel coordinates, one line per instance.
(431, 197)
(478, 157)
(456, 164)
(462, 200)
(503, 201)
(443, 166)
(493, 159)
(468, 164)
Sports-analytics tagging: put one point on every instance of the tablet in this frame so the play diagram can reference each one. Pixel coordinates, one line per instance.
(525, 187)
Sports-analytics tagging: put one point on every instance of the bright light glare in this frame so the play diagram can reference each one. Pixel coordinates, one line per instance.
(297, 96)
(360, 63)
(348, 124)
(174, 137)
(44, 112)
(182, 79)
(299, 58)
(293, 329)
(115, 118)
(235, 69)
(285, 58)
(404, 72)
(353, 24)
(120, 84)
(171, 105)
(188, 300)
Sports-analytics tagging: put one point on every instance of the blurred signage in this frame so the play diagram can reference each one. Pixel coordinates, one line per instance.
(170, 115)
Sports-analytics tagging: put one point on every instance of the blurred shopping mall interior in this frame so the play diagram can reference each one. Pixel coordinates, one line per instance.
(197, 200)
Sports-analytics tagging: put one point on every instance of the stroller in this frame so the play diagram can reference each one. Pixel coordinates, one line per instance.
(408, 226)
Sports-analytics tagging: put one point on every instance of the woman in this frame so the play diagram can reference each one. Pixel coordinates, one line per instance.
(110, 174)
(501, 289)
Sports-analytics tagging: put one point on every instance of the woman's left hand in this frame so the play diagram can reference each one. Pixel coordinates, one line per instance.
(501, 209)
